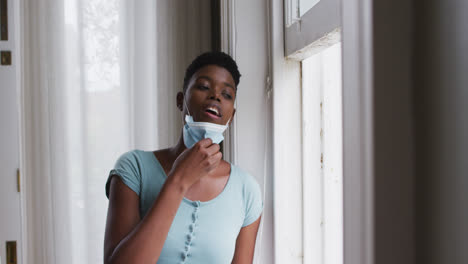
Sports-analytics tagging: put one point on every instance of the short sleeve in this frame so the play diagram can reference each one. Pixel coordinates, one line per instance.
(253, 201)
(127, 168)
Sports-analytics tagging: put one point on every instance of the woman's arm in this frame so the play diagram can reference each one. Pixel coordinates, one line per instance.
(245, 244)
(129, 240)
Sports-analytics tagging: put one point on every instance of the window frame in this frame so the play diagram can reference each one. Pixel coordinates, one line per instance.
(322, 155)
(357, 76)
(321, 22)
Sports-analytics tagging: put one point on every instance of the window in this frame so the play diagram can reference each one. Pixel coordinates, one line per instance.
(308, 80)
(322, 157)
(317, 20)
(306, 5)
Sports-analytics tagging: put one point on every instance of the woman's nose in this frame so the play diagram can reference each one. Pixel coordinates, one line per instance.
(214, 95)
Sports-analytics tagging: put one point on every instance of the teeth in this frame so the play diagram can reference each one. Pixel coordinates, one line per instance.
(213, 109)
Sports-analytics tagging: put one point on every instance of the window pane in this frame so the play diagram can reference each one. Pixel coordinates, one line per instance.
(305, 5)
(322, 155)
(318, 19)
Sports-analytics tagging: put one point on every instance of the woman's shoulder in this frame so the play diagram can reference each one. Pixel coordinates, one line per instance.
(251, 195)
(127, 168)
(133, 155)
(135, 168)
(246, 179)
(136, 156)
(134, 161)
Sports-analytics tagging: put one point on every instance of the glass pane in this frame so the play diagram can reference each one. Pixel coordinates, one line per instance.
(306, 5)
(322, 149)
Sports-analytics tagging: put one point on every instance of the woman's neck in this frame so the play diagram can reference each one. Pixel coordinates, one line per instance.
(177, 149)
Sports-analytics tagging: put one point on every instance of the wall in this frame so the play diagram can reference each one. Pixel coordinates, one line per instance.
(393, 134)
(440, 109)
(186, 27)
(167, 36)
(253, 131)
(419, 137)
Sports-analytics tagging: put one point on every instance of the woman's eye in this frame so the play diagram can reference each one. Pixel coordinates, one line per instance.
(203, 87)
(228, 96)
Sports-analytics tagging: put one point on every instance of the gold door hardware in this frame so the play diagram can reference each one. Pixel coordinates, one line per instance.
(3, 20)
(5, 56)
(18, 180)
(11, 252)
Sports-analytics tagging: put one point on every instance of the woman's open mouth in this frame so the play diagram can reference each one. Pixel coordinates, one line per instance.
(213, 112)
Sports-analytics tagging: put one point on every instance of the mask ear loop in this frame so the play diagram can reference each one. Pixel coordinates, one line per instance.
(183, 116)
(186, 107)
(227, 123)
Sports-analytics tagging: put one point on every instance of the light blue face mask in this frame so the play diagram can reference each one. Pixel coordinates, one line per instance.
(196, 131)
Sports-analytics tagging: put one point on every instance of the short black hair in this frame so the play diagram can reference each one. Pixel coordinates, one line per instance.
(212, 58)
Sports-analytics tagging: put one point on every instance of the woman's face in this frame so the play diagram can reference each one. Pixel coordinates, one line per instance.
(210, 95)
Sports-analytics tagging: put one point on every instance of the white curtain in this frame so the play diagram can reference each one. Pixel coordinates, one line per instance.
(100, 78)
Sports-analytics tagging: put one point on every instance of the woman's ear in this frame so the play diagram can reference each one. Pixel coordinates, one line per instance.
(180, 101)
(232, 117)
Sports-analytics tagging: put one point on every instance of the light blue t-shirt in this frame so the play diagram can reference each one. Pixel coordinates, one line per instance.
(202, 232)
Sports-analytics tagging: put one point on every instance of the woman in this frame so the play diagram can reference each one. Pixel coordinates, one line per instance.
(185, 204)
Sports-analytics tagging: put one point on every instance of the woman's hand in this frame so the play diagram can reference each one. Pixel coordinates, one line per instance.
(196, 162)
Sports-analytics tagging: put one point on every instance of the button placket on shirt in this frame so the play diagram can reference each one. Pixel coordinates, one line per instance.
(191, 234)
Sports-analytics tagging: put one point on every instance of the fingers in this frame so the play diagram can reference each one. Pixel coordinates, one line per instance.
(217, 157)
(214, 148)
(207, 146)
(214, 160)
(206, 142)
(210, 154)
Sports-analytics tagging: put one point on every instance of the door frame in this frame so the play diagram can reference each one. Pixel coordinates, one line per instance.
(19, 14)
